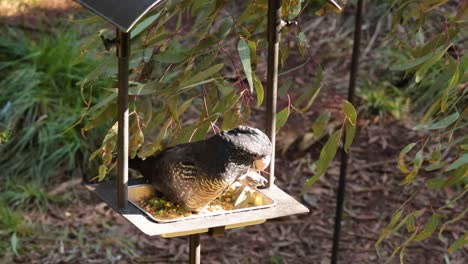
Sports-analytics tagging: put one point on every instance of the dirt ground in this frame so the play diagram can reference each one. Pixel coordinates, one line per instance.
(87, 231)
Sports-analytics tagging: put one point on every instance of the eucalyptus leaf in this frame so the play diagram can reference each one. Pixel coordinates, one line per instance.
(327, 154)
(282, 117)
(318, 127)
(459, 162)
(244, 54)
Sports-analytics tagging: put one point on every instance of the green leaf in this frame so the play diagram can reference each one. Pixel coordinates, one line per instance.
(231, 119)
(410, 224)
(411, 64)
(435, 183)
(244, 54)
(258, 89)
(459, 175)
(459, 162)
(351, 117)
(144, 24)
(320, 123)
(429, 63)
(327, 154)
(194, 132)
(418, 160)
(188, 87)
(202, 75)
(429, 228)
(463, 240)
(172, 56)
(350, 133)
(282, 117)
(436, 166)
(102, 172)
(14, 241)
(387, 231)
(447, 121)
(225, 28)
(451, 221)
(310, 94)
(401, 158)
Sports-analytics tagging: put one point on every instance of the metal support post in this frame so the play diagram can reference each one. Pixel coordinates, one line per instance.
(273, 34)
(123, 54)
(344, 156)
(194, 257)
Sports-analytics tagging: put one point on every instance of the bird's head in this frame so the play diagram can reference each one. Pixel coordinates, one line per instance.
(250, 143)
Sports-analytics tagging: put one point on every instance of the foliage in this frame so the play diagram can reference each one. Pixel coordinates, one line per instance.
(188, 78)
(39, 102)
(432, 57)
(384, 99)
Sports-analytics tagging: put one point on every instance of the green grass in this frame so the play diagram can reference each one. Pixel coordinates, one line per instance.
(39, 102)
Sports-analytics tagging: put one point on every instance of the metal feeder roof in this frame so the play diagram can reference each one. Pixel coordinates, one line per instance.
(123, 14)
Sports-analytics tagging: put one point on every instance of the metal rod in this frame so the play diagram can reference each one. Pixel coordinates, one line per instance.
(273, 34)
(123, 54)
(194, 257)
(344, 156)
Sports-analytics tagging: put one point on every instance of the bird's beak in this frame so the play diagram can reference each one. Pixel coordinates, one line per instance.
(262, 163)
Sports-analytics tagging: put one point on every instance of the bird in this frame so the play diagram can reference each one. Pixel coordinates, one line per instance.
(194, 174)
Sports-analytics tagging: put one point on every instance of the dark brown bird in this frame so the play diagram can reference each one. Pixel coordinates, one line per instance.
(194, 174)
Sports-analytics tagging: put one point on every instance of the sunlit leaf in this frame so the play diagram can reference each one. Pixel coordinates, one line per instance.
(418, 160)
(390, 228)
(102, 172)
(451, 221)
(402, 156)
(282, 117)
(350, 126)
(258, 89)
(463, 240)
(429, 228)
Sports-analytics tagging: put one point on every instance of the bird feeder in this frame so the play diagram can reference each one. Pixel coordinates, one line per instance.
(124, 14)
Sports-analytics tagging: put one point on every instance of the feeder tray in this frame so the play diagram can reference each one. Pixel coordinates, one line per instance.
(285, 205)
(142, 192)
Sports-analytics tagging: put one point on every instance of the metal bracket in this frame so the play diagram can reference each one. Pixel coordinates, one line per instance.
(217, 231)
(108, 43)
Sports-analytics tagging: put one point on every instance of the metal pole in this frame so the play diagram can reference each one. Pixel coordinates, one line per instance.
(273, 34)
(123, 54)
(344, 155)
(194, 254)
